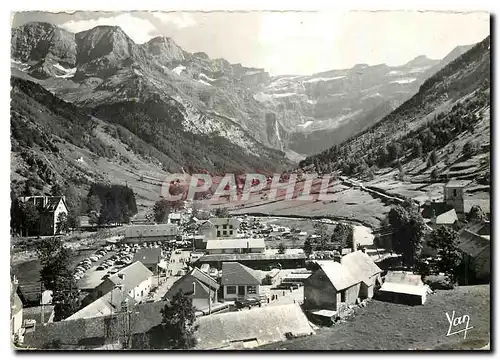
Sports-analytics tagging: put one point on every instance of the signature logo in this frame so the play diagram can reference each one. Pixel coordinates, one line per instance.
(458, 324)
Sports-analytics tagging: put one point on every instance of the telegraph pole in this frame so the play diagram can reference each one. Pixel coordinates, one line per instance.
(209, 299)
(41, 303)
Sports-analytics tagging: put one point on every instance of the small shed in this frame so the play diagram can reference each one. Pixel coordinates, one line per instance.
(403, 288)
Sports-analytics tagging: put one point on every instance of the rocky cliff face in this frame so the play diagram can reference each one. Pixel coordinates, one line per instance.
(102, 67)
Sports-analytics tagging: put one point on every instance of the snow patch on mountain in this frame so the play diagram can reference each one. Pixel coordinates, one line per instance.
(204, 82)
(419, 69)
(282, 95)
(68, 73)
(323, 79)
(306, 124)
(205, 77)
(373, 95)
(404, 81)
(394, 72)
(178, 70)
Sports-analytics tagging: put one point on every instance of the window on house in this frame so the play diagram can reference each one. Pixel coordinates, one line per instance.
(342, 296)
(224, 226)
(231, 290)
(231, 227)
(454, 192)
(251, 289)
(218, 233)
(142, 293)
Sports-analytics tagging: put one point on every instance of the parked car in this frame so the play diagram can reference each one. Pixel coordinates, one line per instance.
(94, 258)
(240, 304)
(101, 267)
(105, 277)
(113, 271)
(213, 273)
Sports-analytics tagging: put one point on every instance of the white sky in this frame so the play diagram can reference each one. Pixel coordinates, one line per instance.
(296, 42)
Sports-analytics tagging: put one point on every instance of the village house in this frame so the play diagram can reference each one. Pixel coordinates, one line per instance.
(149, 233)
(239, 281)
(330, 287)
(34, 294)
(251, 328)
(437, 214)
(362, 267)
(174, 218)
(133, 280)
(149, 257)
(476, 254)
(107, 304)
(261, 261)
(216, 228)
(404, 288)
(50, 210)
(199, 286)
(235, 246)
(100, 331)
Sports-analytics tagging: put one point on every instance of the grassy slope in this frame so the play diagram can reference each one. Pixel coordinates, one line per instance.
(386, 326)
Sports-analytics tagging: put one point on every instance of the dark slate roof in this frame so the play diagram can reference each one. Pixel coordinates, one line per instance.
(30, 292)
(148, 256)
(52, 203)
(74, 333)
(246, 257)
(471, 243)
(480, 228)
(234, 273)
(438, 207)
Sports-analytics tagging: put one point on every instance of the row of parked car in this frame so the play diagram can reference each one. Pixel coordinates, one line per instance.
(86, 263)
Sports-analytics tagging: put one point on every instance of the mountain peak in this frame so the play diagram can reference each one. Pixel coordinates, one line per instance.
(164, 49)
(421, 60)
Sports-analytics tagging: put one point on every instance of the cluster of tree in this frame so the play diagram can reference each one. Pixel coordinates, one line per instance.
(61, 119)
(56, 275)
(116, 203)
(445, 241)
(369, 150)
(407, 227)
(177, 328)
(159, 124)
(163, 207)
(342, 237)
(343, 234)
(476, 214)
